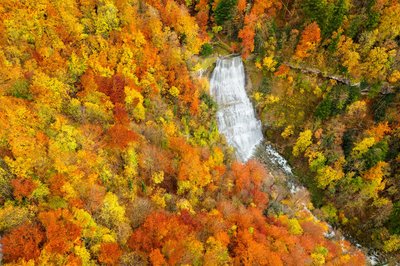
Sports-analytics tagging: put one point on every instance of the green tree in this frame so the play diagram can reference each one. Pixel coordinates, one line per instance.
(224, 11)
(316, 10)
(328, 15)
(337, 16)
(206, 50)
(394, 220)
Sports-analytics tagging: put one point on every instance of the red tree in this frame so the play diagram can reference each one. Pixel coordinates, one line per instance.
(22, 242)
(22, 187)
(249, 178)
(109, 253)
(121, 136)
(60, 231)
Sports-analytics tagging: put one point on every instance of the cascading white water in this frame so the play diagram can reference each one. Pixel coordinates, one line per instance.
(237, 121)
(235, 115)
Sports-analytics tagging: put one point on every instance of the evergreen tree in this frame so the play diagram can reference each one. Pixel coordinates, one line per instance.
(336, 19)
(224, 11)
(329, 16)
(316, 11)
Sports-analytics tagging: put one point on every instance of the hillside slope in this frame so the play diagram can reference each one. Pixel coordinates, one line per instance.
(109, 151)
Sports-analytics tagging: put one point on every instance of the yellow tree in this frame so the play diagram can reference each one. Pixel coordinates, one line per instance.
(377, 63)
(302, 143)
(350, 58)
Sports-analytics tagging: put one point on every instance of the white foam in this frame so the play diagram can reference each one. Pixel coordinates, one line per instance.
(235, 116)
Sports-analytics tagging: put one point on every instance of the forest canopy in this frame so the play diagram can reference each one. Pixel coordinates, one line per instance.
(110, 152)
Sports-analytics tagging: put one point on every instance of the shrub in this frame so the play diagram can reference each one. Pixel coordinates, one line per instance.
(20, 89)
(336, 101)
(206, 50)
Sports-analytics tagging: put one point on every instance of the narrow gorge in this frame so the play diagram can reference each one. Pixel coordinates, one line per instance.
(223, 132)
(237, 121)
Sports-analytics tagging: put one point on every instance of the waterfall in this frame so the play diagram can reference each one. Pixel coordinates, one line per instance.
(236, 120)
(235, 116)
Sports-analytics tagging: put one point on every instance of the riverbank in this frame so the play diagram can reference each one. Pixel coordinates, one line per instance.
(288, 196)
(289, 202)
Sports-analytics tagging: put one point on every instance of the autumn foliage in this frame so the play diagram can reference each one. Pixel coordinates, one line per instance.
(109, 147)
(61, 232)
(309, 40)
(22, 187)
(23, 242)
(109, 253)
(331, 106)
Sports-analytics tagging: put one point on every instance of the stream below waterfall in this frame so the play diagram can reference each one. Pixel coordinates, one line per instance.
(238, 123)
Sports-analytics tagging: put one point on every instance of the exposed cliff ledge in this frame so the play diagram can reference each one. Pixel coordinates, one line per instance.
(386, 88)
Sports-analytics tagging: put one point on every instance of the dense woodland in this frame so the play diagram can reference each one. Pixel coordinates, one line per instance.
(328, 96)
(109, 147)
